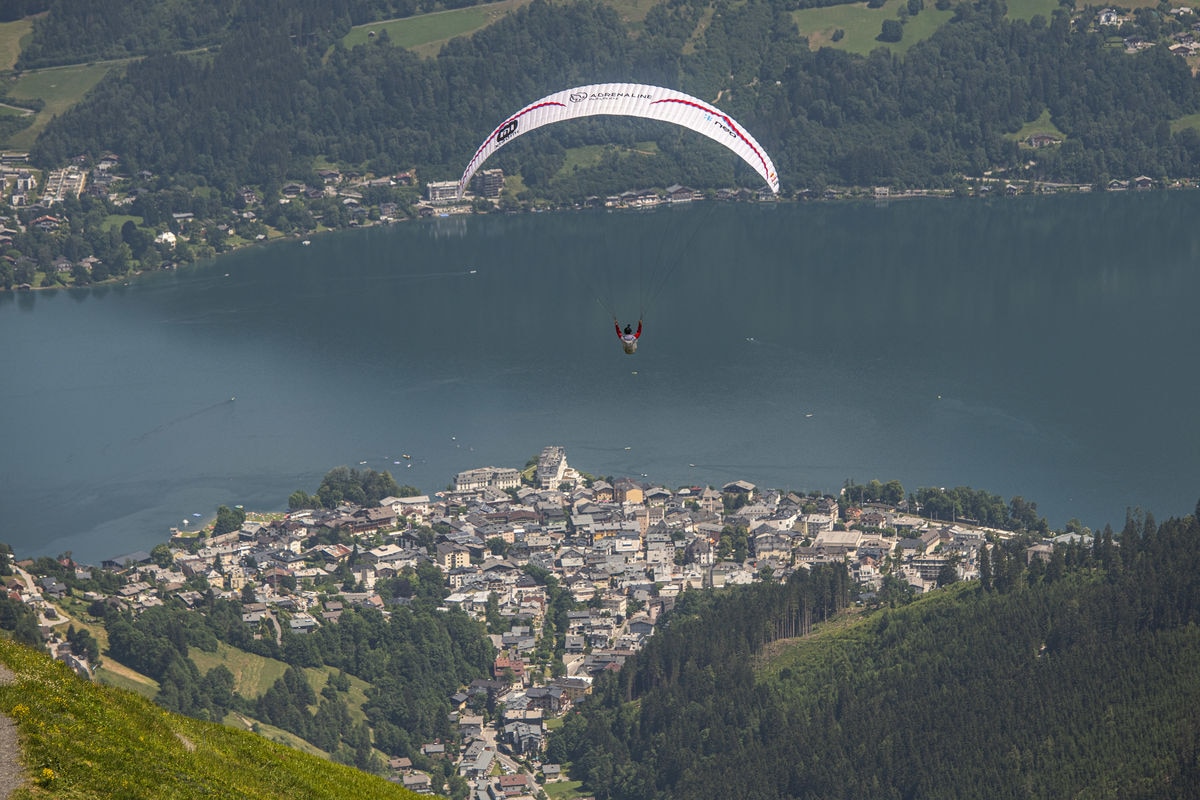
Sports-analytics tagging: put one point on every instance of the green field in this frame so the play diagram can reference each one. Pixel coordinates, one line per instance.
(590, 155)
(426, 33)
(58, 87)
(118, 221)
(253, 675)
(1190, 121)
(1041, 125)
(11, 34)
(564, 790)
(862, 26)
(1028, 9)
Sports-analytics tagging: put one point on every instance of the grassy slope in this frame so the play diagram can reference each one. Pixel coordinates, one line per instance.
(59, 87)
(426, 33)
(254, 674)
(11, 34)
(863, 24)
(83, 740)
(110, 673)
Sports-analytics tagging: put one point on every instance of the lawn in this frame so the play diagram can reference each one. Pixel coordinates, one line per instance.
(1028, 9)
(590, 155)
(862, 26)
(426, 33)
(11, 34)
(1190, 121)
(564, 790)
(58, 87)
(118, 221)
(1041, 125)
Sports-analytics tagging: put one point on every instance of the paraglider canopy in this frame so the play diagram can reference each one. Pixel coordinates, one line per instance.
(633, 100)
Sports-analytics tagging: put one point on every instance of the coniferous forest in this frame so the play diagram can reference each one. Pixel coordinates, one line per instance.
(1073, 677)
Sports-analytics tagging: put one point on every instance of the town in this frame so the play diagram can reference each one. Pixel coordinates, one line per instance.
(625, 550)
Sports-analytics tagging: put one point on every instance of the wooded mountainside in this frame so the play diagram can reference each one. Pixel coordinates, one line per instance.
(280, 91)
(220, 107)
(1074, 677)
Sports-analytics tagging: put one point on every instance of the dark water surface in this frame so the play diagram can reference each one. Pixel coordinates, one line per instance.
(1046, 348)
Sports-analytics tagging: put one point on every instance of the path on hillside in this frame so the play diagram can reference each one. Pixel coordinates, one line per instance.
(12, 772)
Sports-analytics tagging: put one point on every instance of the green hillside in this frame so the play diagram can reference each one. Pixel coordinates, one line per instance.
(1073, 677)
(84, 740)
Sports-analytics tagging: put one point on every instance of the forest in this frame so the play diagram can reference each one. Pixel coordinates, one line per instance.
(1068, 677)
(216, 102)
(279, 91)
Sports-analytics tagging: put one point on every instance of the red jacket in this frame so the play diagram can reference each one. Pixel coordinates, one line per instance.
(621, 335)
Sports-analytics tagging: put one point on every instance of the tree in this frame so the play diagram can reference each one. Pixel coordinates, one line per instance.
(162, 556)
(228, 520)
(985, 568)
(892, 31)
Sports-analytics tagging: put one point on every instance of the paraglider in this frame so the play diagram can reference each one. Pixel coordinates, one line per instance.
(630, 100)
(629, 337)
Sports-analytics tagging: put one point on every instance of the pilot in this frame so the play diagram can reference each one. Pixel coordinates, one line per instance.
(629, 337)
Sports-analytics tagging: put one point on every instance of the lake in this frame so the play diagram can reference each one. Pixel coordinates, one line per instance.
(1041, 347)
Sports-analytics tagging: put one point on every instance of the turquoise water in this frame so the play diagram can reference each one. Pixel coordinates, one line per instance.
(1037, 347)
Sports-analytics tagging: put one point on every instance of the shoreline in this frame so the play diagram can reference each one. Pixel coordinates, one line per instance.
(852, 194)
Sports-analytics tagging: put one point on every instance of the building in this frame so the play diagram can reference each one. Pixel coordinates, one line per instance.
(474, 480)
(488, 182)
(442, 191)
(552, 467)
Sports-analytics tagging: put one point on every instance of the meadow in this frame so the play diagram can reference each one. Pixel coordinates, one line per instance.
(426, 33)
(81, 739)
(861, 26)
(58, 87)
(11, 35)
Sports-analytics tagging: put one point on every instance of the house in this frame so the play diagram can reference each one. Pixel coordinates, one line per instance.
(442, 191)
(680, 194)
(626, 490)
(511, 785)
(552, 467)
(417, 782)
(745, 489)
(451, 556)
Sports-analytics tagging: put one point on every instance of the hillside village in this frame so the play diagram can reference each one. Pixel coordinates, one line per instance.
(624, 550)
